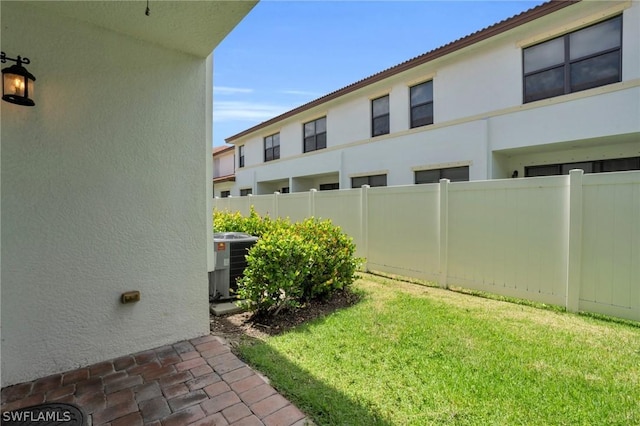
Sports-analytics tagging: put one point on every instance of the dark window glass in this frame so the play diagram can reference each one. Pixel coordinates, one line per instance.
(272, 147)
(546, 84)
(544, 55)
(427, 176)
(380, 126)
(225, 194)
(421, 96)
(587, 166)
(284, 190)
(357, 182)
(597, 166)
(587, 58)
(309, 144)
(245, 192)
(373, 180)
(315, 134)
(595, 39)
(378, 180)
(422, 93)
(241, 156)
(422, 115)
(380, 116)
(454, 174)
(550, 170)
(309, 129)
(329, 186)
(595, 72)
(620, 164)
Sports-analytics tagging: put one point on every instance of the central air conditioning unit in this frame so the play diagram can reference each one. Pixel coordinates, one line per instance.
(230, 251)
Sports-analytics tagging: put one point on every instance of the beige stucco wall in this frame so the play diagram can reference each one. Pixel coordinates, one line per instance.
(104, 190)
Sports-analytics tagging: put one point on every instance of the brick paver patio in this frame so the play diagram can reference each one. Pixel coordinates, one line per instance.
(196, 382)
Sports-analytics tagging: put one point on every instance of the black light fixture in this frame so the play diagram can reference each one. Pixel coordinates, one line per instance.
(17, 82)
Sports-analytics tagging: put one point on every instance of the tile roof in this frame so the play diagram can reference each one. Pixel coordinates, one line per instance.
(220, 149)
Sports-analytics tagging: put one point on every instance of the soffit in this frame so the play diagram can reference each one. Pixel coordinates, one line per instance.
(194, 27)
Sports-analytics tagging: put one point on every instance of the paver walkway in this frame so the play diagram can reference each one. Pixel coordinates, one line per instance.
(196, 382)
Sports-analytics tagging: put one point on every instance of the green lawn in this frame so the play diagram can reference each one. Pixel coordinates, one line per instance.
(414, 355)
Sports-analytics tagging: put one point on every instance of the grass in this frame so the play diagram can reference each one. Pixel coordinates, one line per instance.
(412, 355)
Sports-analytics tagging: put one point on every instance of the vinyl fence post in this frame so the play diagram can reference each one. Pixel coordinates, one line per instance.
(574, 255)
(312, 202)
(248, 204)
(275, 205)
(444, 232)
(364, 224)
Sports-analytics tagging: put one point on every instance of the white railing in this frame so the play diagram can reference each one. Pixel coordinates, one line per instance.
(569, 240)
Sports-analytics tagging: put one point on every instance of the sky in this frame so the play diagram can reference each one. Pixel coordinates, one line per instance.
(284, 54)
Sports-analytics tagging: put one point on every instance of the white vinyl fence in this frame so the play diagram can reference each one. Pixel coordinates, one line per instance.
(569, 240)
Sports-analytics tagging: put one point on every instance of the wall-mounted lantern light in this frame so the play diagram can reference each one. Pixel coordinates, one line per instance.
(17, 82)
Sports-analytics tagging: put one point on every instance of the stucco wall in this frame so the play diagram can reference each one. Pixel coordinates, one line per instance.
(103, 191)
(610, 113)
(223, 164)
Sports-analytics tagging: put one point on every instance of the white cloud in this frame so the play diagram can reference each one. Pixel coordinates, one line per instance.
(224, 90)
(246, 111)
(302, 93)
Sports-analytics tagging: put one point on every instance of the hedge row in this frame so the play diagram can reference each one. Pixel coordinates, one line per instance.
(291, 263)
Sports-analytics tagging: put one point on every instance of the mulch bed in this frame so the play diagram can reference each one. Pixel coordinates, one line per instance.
(246, 328)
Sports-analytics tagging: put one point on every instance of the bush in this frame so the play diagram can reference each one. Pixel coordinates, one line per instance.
(277, 266)
(252, 225)
(332, 262)
(290, 264)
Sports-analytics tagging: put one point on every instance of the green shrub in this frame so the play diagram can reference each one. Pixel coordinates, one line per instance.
(254, 224)
(277, 266)
(333, 265)
(290, 264)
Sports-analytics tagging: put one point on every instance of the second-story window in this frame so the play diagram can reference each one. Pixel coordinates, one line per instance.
(272, 147)
(380, 116)
(421, 96)
(241, 156)
(590, 57)
(315, 134)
